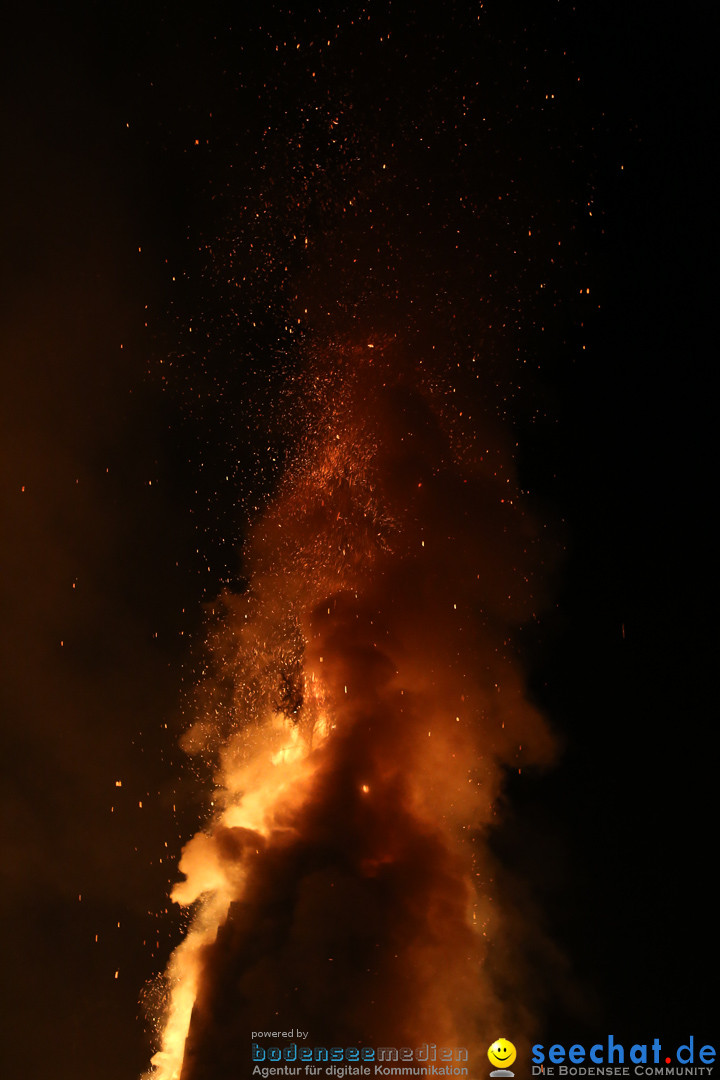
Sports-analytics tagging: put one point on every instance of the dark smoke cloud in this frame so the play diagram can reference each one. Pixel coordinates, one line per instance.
(405, 561)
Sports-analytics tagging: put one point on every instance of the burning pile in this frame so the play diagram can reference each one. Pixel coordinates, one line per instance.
(362, 704)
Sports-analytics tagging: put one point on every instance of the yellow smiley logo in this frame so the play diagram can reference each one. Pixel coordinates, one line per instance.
(502, 1053)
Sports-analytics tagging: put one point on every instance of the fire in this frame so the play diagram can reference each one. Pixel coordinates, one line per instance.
(362, 705)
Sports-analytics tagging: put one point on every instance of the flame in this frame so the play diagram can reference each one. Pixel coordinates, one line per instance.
(254, 790)
(363, 694)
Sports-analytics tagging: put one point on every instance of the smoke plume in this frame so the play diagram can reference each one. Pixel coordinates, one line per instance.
(363, 705)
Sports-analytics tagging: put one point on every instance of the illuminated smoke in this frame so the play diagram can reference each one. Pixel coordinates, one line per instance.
(363, 704)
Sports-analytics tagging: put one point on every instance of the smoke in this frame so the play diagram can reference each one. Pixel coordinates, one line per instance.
(363, 704)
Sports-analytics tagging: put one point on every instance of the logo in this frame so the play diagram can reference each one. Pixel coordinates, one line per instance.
(611, 1058)
(501, 1054)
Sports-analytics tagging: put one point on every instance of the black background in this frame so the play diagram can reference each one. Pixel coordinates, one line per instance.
(621, 860)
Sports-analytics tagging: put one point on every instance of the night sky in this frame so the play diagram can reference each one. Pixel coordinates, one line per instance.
(188, 198)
